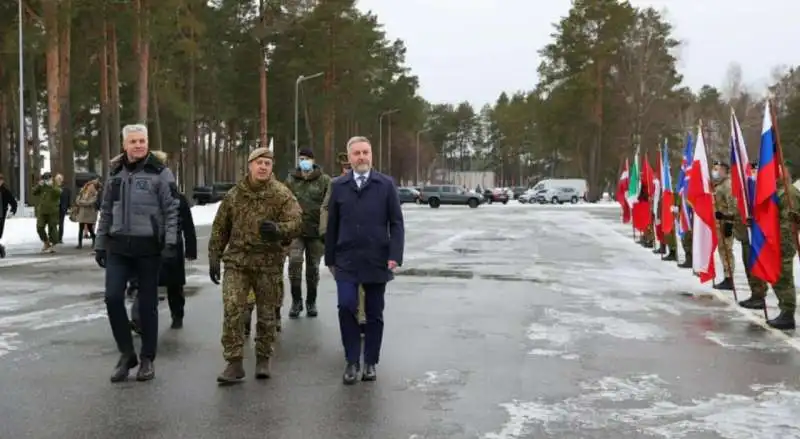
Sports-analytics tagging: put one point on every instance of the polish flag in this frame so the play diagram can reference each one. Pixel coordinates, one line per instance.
(700, 195)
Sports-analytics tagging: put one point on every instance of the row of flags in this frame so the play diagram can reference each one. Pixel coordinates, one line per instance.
(640, 193)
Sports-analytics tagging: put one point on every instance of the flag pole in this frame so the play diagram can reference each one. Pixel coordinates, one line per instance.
(785, 177)
(713, 204)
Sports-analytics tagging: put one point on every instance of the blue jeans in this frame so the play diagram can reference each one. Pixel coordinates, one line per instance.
(347, 293)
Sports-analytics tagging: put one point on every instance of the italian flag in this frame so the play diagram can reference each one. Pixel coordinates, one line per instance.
(634, 181)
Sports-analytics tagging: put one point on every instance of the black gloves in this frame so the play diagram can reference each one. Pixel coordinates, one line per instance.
(269, 231)
(170, 252)
(722, 217)
(214, 270)
(100, 258)
(727, 230)
(794, 216)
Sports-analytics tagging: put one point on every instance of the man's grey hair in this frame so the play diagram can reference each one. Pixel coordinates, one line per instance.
(134, 128)
(357, 139)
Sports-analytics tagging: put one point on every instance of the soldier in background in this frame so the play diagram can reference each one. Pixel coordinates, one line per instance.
(310, 186)
(725, 206)
(252, 221)
(784, 288)
(344, 162)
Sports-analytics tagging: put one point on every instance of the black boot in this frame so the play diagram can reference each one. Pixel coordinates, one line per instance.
(670, 257)
(784, 321)
(685, 264)
(726, 284)
(649, 244)
(662, 249)
(2, 251)
(177, 322)
(297, 301)
(146, 370)
(752, 303)
(350, 375)
(124, 365)
(278, 319)
(311, 302)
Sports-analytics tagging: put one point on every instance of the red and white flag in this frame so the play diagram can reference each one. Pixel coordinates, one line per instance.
(701, 196)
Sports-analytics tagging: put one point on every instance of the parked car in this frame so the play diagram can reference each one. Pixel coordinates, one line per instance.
(211, 194)
(408, 195)
(558, 195)
(529, 196)
(448, 194)
(517, 191)
(496, 195)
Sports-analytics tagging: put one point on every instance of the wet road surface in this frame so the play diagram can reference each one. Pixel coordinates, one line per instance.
(506, 322)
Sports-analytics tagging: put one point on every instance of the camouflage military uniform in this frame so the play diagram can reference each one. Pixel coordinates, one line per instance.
(784, 287)
(251, 306)
(344, 162)
(311, 189)
(686, 239)
(250, 262)
(725, 204)
(758, 287)
(48, 198)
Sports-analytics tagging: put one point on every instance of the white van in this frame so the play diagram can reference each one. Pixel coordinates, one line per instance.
(560, 190)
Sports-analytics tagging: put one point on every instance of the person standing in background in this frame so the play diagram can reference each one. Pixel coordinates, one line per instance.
(7, 201)
(64, 204)
(86, 212)
(364, 244)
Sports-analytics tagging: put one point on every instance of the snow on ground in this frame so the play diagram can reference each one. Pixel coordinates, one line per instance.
(23, 230)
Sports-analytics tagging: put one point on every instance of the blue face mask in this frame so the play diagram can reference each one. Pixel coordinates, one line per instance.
(306, 165)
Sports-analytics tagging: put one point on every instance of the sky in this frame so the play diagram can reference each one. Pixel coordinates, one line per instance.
(475, 49)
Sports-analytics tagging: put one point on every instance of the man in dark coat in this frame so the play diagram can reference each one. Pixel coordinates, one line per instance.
(364, 243)
(173, 271)
(6, 200)
(64, 203)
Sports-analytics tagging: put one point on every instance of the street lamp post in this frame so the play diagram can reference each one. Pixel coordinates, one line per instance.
(22, 151)
(380, 137)
(297, 83)
(418, 134)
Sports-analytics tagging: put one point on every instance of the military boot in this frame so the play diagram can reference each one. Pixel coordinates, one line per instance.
(649, 244)
(233, 373)
(784, 321)
(685, 264)
(297, 301)
(671, 256)
(752, 303)
(660, 250)
(726, 284)
(311, 302)
(263, 368)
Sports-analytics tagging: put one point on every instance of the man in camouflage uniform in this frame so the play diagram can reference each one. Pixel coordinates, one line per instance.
(310, 185)
(686, 240)
(344, 162)
(252, 221)
(789, 218)
(725, 206)
(48, 200)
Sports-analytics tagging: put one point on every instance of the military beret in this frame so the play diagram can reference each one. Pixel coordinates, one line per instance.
(258, 153)
(306, 152)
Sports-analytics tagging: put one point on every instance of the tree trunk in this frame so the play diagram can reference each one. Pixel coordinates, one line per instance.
(190, 168)
(143, 54)
(215, 166)
(53, 107)
(105, 144)
(67, 147)
(33, 157)
(330, 109)
(5, 145)
(116, 124)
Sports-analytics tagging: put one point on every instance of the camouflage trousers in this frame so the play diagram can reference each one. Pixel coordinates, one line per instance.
(47, 227)
(251, 306)
(758, 288)
(310, 251)
(686, 243)
(236, 284)
(726, 252)
(784, 287)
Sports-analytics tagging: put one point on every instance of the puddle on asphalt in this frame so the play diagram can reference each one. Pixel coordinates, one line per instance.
(465, 274)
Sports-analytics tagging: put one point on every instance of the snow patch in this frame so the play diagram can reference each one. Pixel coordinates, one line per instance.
(8, 342)
(770, 413)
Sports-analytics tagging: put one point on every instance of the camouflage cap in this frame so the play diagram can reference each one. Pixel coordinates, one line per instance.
(258, 153)
(343, 158)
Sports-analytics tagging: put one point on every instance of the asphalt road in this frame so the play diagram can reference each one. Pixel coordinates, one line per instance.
(506, 322)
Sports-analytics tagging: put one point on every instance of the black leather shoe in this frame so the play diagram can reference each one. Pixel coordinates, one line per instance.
(177, 323)
(350, 374)
(370, 374)
(752, 303)
(146, 371)
(124, 365)
(784, 321)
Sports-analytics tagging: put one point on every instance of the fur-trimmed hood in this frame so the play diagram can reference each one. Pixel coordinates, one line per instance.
(155, 160)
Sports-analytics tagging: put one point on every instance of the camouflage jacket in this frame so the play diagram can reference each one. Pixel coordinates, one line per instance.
(311, 190)
(723, 199)
(235, 235)
(788, 220)
(323, 217)
(48, 199)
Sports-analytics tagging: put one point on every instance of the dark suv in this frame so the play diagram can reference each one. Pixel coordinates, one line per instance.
(437, 195)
